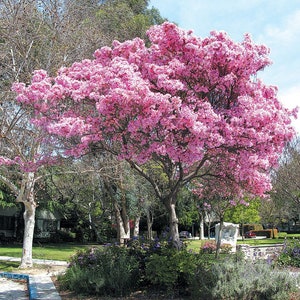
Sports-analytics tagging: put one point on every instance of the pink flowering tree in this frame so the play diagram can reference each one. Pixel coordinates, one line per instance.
(192, 107)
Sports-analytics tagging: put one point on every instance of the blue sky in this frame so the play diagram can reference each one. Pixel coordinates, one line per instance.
(275, 23)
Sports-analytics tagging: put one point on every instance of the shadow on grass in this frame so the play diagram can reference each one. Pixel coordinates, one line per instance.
(8, 266)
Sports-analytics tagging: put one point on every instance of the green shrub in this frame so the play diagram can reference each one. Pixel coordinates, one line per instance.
(109, 271)
(226, 248)
(249, 227)
(209, 246)
(242, 280)
(82, 280)
(170, 269)
(290, 255)
(61, 237)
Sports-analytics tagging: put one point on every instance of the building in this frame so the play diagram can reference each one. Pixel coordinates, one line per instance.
(12, 225)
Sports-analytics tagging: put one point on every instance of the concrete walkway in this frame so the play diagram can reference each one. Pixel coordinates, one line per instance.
(12, 290)
(39, 287)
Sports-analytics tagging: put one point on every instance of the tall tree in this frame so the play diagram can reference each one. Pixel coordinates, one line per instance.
(38, 34)
(192, 106)
(285, 194)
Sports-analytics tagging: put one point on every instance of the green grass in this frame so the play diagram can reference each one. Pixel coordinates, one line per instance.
(55, 251)
(195, 245)
(261, 242)
(8, 266)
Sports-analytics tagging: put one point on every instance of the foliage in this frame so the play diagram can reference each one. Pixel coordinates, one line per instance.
(290, 255)
(170, 269)
(41, 34)
(187, 210)
(209, 246)
(286, 191)
(246, 212)
(242, 280)
(108, 271)
(189, 105)
(118, 270)
(226, 248)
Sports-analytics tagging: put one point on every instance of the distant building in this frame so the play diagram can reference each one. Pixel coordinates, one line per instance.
(46, 222)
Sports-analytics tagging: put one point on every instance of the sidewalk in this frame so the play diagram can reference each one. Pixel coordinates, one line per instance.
(37, 261)
(39, 287)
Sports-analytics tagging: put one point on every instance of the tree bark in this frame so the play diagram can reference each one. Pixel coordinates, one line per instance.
(29, 223)
(123, 228)
(136, 228)
(201, 225)
(173, 223)
(149, 225)
(218, 250)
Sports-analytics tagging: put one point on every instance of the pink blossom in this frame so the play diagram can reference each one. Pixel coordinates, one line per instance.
(183, 99)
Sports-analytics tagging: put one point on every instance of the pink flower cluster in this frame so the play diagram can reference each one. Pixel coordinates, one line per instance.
(184, 99)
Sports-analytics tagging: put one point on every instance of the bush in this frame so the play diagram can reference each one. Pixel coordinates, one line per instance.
(60, 236)
(242, 280)
(116, 271)
(170, 269)
(209, 246)
(226, 248)
(290, 255)
(109, 271)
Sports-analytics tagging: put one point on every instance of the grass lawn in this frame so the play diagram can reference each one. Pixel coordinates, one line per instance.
(196, 244)
(65, 251)
(8, 266)
(53, 251)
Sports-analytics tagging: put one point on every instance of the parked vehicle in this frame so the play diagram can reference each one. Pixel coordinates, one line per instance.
(185, 234)
(250, 234)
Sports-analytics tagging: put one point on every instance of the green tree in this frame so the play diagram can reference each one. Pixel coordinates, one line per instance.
(243, 213)
(286, 185)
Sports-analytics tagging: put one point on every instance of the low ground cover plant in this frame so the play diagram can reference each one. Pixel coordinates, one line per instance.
(233, 279)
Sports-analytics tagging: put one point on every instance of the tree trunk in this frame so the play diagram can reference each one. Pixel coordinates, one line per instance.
(26, 196)
(123, 228)
(29, 222)
(173, 223)
(149, 225)
(201, 225)
(136, 228)
(218, 250)
(208, 230)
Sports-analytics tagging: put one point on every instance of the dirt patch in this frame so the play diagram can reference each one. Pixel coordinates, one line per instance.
(43, 270)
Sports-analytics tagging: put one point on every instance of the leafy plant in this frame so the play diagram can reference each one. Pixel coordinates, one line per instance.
(290, 255)
(170, 269)
(242, 280)
(209, 246)
(107, 271)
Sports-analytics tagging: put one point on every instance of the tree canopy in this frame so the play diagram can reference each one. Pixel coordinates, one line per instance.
(193, 106)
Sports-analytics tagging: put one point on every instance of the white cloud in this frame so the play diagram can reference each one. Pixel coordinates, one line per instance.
(285, 32)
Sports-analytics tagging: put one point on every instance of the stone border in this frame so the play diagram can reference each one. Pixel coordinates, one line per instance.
(261, 252)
